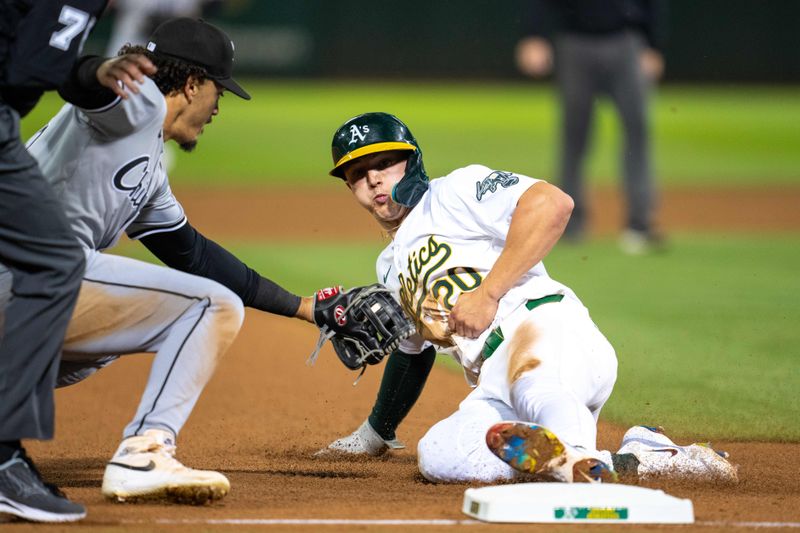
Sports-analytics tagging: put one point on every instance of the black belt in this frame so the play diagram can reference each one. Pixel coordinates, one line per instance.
(496, 338)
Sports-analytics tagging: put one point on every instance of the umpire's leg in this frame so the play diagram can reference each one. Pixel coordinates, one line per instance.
(576, 73)
(629, 90)
(46, 261)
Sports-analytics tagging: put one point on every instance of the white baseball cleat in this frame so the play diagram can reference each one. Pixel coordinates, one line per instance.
(363, 441)
(660, 458)
(144, 468)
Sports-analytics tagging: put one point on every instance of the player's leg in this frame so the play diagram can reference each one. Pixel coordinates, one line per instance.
(573, 374)
(454, 450)
(46, 261)
(128, 306)
(629, 90)
(557, 370)
(575, 76)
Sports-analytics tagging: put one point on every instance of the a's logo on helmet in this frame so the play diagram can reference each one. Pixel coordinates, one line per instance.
(339, 315)
(358, 133)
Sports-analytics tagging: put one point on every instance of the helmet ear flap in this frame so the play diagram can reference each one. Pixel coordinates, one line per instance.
(409, 190)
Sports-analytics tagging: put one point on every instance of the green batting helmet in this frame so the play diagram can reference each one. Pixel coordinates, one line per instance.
(381, 132)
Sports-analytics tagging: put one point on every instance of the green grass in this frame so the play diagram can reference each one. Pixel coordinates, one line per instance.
(706, 335)
(702, 136)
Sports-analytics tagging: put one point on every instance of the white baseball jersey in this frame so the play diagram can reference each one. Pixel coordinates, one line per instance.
(553, 366)
(117, 183)
(470, 210)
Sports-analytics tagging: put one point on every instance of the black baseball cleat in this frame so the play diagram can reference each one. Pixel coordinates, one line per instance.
(23, 493)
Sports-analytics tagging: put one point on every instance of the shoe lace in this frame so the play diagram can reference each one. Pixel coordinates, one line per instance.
(49, 486)
(161, 448)
(166, 449)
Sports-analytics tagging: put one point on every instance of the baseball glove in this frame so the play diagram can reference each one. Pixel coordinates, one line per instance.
(364, 324)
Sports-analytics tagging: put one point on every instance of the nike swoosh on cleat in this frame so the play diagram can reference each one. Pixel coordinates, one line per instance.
(673, 451)
(146, 468)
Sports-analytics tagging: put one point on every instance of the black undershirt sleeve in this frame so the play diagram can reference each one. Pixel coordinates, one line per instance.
(82, 88)
(185, 249)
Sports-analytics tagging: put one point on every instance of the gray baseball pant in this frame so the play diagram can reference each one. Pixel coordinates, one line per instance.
(588, 66)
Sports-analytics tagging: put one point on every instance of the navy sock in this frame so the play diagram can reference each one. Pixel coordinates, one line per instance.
(404, 377)
(626, 464)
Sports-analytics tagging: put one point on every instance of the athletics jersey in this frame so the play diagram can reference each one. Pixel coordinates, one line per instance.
(117, 183)
(447, 245)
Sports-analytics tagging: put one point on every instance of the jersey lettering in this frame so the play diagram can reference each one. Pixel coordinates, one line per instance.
(128, 179)
(490, 183)
(419, 261)
(75, 22)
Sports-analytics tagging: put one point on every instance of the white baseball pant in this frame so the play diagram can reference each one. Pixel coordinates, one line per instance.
(554, 368)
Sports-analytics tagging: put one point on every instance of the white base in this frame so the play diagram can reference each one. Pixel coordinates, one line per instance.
(576, 503)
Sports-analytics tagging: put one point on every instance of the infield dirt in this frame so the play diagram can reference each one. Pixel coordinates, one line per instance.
(265, 411)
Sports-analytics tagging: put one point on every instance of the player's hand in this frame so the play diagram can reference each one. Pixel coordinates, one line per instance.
(130, 69)
(472, 314)
(652, 64)
(534, 57)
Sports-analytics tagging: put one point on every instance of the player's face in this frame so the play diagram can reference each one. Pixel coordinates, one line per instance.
(203, 105)
(371, 179)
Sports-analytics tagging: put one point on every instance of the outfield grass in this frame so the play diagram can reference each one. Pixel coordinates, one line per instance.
(706, 334)
(702, 135)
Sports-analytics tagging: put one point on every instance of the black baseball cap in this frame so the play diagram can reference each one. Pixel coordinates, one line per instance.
(199, 43)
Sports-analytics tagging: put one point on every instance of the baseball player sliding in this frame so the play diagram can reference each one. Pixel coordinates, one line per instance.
(102, 155)
(465, 261)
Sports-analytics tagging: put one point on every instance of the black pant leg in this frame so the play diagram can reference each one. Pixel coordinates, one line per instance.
(47, 263)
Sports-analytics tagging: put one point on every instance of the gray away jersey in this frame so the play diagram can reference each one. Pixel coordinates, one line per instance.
(105, 166)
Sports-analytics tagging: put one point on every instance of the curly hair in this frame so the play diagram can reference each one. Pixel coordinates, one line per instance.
(172, 72)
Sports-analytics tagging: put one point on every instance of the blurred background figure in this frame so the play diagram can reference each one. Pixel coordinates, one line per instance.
(601, 47)
(134, 20)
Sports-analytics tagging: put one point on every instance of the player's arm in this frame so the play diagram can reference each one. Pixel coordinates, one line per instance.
(187, 250)
(95, 81)
(537, 223)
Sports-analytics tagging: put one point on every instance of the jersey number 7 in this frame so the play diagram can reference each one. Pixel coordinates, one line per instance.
(75, 23)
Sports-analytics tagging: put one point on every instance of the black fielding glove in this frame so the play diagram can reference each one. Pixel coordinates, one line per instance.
(364, 324)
